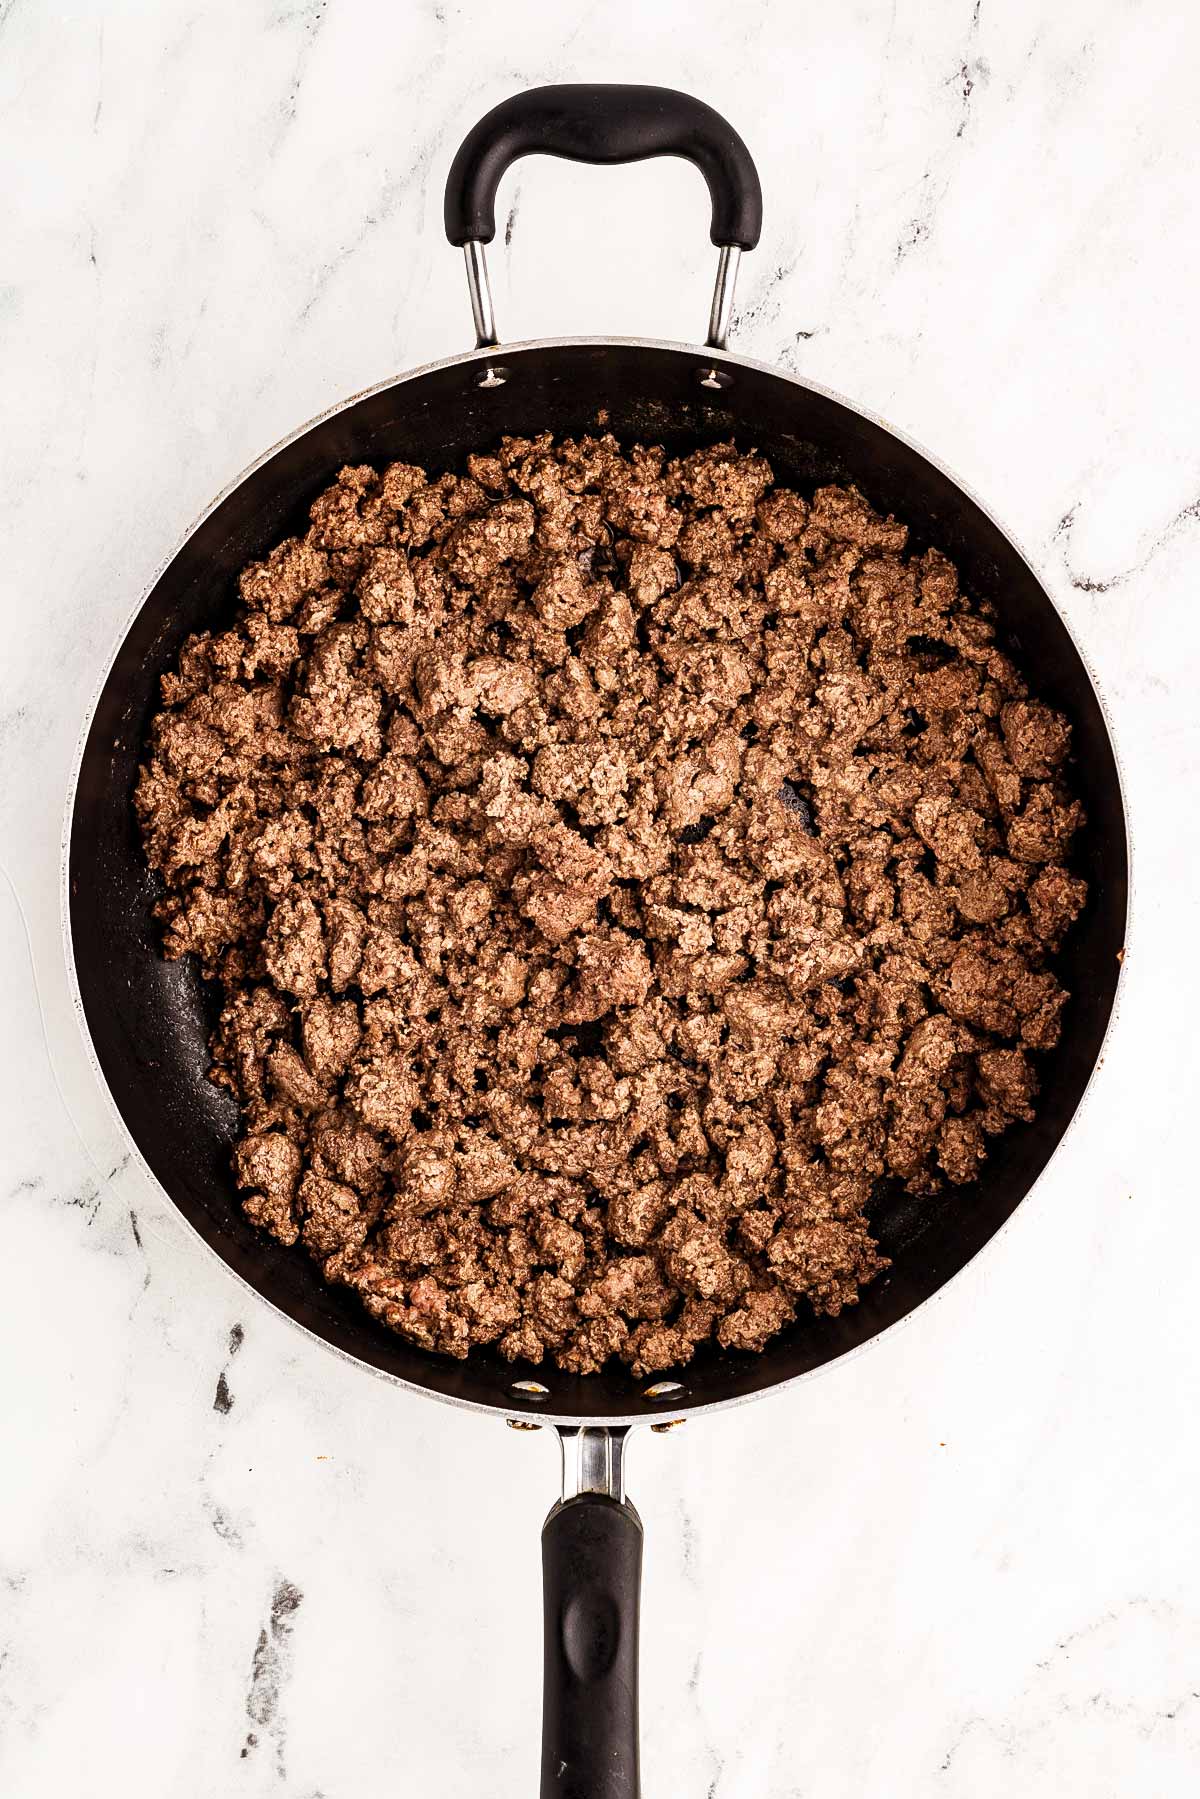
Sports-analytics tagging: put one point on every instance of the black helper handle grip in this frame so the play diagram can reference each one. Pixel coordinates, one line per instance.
(592, 1579)
(589, 122)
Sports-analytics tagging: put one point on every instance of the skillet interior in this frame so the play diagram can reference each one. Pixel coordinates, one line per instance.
(149, 1019)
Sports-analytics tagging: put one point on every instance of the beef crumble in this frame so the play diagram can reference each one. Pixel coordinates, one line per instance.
(613, 866)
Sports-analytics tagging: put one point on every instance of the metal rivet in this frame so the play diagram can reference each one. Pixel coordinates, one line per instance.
(713, 377)
(529, 1389)
(521, 1424)
(663, 1389)
(492, 377)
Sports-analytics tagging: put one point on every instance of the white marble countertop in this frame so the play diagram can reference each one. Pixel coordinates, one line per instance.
(963, 1565)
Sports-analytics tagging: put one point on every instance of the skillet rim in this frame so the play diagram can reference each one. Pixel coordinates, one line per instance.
(506, 1404)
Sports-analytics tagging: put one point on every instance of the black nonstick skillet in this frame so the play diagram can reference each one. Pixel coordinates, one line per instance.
(149, 1020)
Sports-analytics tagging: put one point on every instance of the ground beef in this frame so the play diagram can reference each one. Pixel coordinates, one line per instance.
(615, 869)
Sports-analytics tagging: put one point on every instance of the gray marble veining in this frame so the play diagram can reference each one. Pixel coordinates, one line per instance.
(961, 1567)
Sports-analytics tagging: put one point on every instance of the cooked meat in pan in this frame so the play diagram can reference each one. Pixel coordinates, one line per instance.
(617, 870)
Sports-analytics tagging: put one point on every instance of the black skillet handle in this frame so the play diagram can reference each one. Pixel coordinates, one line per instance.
(594, 122)
(591, 1579)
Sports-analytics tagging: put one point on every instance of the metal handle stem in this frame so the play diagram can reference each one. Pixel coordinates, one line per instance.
(720, 314)
(593, 1460)
(483, 312)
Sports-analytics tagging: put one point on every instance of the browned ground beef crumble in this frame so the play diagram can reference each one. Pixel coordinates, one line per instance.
(613, 867)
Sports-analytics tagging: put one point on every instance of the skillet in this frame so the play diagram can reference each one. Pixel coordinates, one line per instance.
(149, 1020)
